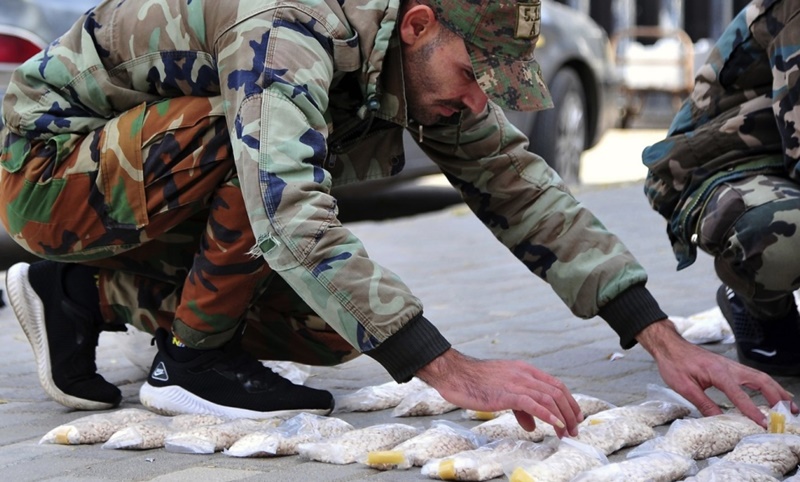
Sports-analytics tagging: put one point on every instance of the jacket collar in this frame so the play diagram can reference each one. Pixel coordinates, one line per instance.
(381, 65)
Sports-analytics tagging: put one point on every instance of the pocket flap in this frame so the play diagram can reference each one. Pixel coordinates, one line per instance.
(347, 54)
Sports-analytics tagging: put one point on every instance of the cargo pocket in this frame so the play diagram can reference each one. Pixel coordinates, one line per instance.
(121, 171)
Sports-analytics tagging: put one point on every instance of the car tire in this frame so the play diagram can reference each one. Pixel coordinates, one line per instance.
(559, 134)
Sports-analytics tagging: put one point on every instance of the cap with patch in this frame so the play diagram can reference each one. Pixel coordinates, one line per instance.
(500, 36)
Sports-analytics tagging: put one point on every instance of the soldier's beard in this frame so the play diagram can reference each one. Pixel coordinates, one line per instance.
(421, 86)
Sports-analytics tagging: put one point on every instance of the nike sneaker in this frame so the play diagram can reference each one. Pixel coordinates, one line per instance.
(767, 345)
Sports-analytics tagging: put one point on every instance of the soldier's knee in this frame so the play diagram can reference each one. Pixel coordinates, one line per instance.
(763, 244)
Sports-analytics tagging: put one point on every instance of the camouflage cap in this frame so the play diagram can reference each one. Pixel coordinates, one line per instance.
(500, 36)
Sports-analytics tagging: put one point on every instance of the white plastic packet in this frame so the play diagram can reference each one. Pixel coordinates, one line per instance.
(441, 439)
(349, 446)
(506, 426)
(208, 439)
(608, 436)
(705, 327)
(285, 438)
(649, 467)
(658, 392)
(649, 412)
(589, 406)
(701, 438)
(378, 397)
(722, 471)
(486, 462)
(778, 452)
(570, 459)
(423, 403)
(95, 428)
(151, 433)
(135, 345)
(296, 373)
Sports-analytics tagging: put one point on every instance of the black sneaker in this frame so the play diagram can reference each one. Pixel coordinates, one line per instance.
(225, 382)
(769, 346)
(63, 336)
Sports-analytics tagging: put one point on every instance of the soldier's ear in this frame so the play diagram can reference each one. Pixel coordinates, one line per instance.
(418, 23)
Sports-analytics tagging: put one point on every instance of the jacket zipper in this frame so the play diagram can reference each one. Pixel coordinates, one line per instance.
(343, 139)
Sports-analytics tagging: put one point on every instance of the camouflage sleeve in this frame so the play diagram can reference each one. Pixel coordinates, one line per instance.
(275, 73)
(521, 200)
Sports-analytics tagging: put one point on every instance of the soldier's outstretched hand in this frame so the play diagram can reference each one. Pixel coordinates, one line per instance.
(690, 370)
(494, 385)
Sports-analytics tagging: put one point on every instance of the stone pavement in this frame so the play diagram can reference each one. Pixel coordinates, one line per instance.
(480, 297)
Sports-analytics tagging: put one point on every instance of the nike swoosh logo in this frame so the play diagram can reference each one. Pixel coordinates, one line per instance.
(765, 353)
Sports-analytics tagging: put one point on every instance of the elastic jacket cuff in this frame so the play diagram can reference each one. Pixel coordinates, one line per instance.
(631, 312)
(412, 347)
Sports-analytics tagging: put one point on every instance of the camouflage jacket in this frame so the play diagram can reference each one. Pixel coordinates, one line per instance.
(742, 118)
(313, 97)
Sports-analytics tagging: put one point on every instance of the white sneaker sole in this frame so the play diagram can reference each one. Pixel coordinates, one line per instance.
(174, 400)
(29, 311)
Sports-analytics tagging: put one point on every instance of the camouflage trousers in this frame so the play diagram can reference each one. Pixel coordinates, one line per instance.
(152, 199)
(750, 227)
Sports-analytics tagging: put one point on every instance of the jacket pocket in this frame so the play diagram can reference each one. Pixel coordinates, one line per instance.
(347, 54)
